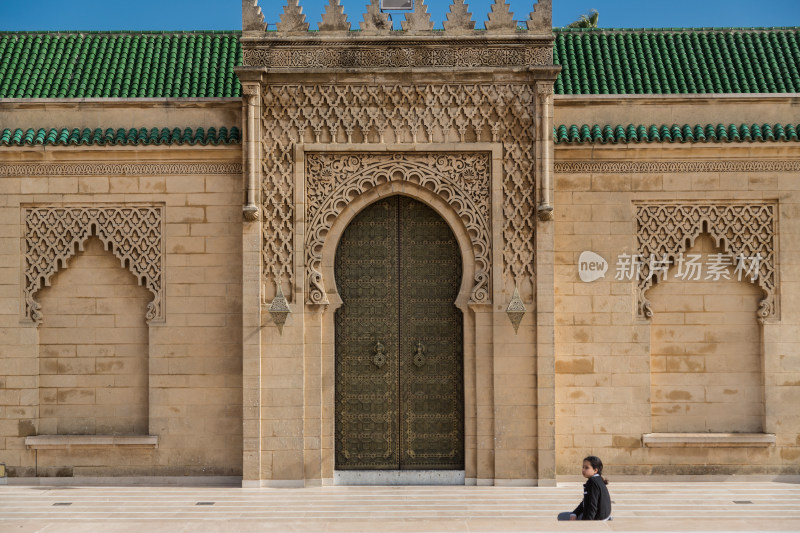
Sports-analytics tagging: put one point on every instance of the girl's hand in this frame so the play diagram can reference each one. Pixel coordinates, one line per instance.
(573, 517)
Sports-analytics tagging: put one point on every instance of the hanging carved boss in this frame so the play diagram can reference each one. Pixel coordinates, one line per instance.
(462, 179)
(54, 234)
(398, 114)
(746, 229)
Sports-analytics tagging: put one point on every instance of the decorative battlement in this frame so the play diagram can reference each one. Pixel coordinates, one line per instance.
(418, 21)
(503, 43)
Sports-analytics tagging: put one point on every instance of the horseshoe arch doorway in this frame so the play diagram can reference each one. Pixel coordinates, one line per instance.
(399, 371)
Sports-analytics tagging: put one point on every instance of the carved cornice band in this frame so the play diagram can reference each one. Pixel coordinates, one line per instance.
(396, 56)
(118, 169)
(645, 167)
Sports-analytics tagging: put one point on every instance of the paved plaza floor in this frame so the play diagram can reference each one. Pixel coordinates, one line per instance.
(640, 506)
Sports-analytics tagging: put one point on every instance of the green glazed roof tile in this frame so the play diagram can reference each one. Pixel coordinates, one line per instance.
(119, 137)
(119, 65)
(608, 134)
(593, 61)
(678, 61)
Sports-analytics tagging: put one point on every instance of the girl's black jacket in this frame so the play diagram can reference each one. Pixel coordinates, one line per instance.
(596, 504)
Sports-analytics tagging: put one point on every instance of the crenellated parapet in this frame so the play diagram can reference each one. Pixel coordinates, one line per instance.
(502, 42)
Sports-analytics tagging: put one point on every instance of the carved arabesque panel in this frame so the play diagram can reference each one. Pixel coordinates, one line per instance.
(461, 179)
(740, 228)
(391, 55)
(455, 113)
(132, 233)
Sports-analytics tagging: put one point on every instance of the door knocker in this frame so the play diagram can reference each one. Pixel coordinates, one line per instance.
(419, 355)
(379, 359)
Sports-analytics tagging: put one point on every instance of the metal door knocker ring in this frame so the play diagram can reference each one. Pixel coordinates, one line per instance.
(419, 355)
(379, 359)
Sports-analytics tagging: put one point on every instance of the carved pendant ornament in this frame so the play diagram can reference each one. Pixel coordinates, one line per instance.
(462, 179)
(133, 234)
(741, 229)
(379, 114)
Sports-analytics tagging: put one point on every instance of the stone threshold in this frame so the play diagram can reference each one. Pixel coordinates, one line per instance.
(708, 440)
(66, 442)
(398, 477)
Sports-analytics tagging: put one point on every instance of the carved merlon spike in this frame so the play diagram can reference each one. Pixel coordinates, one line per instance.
(501, 19)
(292, 19)
(459, 18)
(541, 18)
(252, 17)
(419, 19)
(334, 18)
(374, 20)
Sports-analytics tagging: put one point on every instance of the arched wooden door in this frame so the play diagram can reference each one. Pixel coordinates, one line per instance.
(399, 341)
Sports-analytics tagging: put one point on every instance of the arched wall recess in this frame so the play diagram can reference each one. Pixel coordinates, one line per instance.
(747, 229)
(134, 234)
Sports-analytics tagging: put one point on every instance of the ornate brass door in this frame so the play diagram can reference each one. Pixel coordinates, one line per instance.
(399, 364)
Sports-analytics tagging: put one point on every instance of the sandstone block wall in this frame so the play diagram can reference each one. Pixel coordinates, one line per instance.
(94, 366)
(93, 349)
(704, 362)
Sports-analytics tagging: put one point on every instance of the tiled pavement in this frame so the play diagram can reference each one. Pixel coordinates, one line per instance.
(687, 506)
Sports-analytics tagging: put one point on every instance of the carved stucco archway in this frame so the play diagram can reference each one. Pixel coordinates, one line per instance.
(55, 234)
(462, 181)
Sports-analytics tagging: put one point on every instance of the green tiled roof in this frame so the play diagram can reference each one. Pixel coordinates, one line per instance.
(598, 61)
(675, 61)
(119, 137)
(123, 65)
(609, 134)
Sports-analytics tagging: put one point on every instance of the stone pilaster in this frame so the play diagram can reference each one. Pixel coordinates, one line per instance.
(545, 287)
(251, 281)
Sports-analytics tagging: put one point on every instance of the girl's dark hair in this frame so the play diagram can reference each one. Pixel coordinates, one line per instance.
(597, 464)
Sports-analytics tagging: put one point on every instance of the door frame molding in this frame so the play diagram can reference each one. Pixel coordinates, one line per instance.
(318, 321)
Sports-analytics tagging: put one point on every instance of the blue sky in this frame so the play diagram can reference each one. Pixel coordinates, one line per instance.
(49, 15)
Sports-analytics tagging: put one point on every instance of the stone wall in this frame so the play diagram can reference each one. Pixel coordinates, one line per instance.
(711, 359)
(139, 332)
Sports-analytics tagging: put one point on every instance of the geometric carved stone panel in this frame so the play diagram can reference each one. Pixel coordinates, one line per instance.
(399, 114)
(462, 179)
(742, 229)
(133, 234)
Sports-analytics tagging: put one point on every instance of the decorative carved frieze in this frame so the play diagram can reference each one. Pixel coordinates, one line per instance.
(118, 169)
(741, 229)
(132, 233)
(461, 179)
(397, 55)
(436, 113)
(657, 167)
